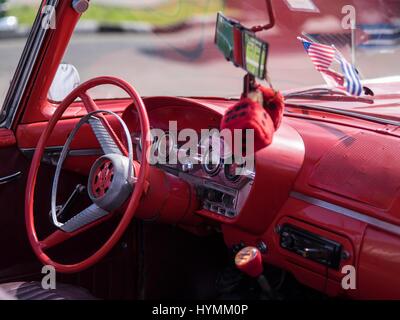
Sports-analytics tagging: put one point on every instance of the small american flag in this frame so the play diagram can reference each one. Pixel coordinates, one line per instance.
(321, 55)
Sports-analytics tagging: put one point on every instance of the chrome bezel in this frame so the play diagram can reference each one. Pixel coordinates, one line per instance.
(206, 165)
(228, 176)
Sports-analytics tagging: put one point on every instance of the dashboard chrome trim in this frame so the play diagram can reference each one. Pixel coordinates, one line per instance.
(392, 228)
(56, 151)
(10, 178)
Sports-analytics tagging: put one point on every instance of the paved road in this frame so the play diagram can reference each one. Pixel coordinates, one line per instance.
(114, 3)
(183, 63)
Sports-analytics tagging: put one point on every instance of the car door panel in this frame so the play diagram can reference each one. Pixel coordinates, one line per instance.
(7, 138)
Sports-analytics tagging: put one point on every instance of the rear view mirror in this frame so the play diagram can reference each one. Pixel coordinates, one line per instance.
(241, 46)
(66, 79)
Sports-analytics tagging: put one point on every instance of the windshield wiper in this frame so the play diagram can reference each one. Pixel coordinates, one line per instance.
(327, 95)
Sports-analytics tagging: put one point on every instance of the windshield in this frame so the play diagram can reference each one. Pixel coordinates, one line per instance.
(166, 47)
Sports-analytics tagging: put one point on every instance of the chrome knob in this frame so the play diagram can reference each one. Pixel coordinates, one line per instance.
(186, 167)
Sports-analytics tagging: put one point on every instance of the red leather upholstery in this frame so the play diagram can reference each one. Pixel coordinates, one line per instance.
(7, 138)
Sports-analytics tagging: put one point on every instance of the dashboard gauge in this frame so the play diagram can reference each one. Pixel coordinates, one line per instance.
(232, 171)
(213, 149)
(211, 162)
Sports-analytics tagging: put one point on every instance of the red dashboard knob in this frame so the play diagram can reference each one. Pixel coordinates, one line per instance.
(249, 261)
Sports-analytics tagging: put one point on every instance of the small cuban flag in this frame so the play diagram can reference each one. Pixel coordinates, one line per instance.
(352, 78)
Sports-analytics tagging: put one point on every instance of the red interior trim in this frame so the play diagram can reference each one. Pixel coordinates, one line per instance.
(7, 138)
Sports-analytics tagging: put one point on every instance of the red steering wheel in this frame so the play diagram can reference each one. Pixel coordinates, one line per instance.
(114, 178)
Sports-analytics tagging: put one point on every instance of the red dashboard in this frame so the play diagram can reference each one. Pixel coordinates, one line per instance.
(312, 187)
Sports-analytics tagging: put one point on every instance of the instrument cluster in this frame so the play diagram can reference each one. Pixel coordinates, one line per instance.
(222, 185)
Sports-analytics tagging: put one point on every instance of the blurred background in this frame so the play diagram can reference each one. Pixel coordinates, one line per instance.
(166, 47)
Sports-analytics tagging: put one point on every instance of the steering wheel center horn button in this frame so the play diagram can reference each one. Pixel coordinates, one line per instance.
(109, 182)
(102, 178)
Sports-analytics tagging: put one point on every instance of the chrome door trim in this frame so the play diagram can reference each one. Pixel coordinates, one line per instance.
(10, 178)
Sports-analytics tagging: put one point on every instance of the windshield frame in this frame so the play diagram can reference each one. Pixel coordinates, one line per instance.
(24, 70)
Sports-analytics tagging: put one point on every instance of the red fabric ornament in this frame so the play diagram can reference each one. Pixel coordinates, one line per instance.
(274, 104)
(263, 118)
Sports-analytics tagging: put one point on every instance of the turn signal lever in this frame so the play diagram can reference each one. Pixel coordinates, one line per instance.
(63, 210)
(249, 261)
